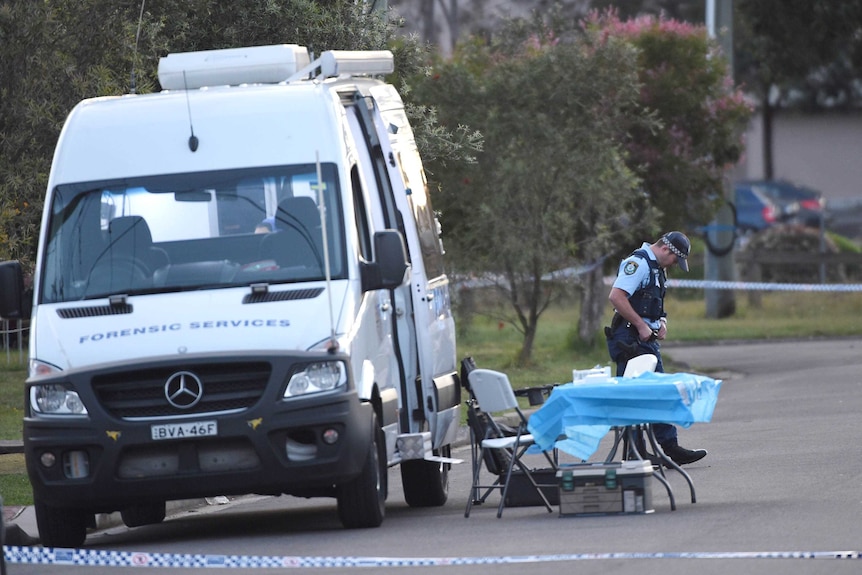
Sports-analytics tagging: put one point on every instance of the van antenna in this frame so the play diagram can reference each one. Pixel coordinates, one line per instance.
(193, 140)
(132, 86)
(321, 207)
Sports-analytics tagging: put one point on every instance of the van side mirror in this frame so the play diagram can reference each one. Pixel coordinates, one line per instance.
(12, 291)
(390, 262)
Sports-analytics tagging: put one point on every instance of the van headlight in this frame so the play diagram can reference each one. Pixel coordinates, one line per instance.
(37, 368)
(55, 399)
(316, 378)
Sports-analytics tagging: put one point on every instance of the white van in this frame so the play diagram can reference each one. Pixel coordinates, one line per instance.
(239, 289)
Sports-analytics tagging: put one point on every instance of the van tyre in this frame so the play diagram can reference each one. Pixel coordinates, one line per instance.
(61, 527)
(426, 483)
(144, 514)
(362, 501)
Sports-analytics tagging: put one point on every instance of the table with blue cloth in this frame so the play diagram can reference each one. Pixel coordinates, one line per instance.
(576, 416)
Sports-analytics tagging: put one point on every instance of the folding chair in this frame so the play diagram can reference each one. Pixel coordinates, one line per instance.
(492, 393)
(481, 427)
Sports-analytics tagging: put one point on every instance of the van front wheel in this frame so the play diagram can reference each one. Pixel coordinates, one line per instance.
(61, 527)
(426, 483)
(362, 501)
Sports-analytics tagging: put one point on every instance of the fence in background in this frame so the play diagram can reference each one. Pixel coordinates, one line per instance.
(13, 338)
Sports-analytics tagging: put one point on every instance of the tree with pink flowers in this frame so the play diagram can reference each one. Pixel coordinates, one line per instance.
(686, 83)
(596, 137)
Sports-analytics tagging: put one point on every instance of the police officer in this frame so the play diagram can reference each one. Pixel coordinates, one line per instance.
(640, 321)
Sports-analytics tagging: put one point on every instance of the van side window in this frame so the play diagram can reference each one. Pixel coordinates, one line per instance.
(361, 215)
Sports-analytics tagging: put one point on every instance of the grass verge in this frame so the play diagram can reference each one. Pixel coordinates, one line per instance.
(14, 484)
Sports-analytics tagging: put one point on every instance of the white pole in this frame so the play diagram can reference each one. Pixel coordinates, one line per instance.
(321, 203)
(710, 18)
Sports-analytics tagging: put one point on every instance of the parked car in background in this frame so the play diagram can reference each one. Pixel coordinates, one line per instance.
(798, 204)
(756, 211)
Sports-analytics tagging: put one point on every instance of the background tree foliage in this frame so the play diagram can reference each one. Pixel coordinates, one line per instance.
(29, 122)
(686, 83)
(595, 138)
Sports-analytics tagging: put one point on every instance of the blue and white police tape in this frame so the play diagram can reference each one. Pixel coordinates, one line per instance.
(762, 286)
(102, 558)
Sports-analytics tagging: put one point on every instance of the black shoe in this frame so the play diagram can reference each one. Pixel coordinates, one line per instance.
(682, 456)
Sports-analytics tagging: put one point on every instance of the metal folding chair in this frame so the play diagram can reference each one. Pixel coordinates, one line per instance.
(491, 392)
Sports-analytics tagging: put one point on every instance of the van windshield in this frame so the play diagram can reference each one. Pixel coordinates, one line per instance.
(192, 231)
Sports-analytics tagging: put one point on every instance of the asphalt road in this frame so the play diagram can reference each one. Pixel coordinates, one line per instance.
(782, 479)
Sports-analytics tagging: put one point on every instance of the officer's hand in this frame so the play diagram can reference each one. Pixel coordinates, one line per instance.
(661, 332)
(644, 332)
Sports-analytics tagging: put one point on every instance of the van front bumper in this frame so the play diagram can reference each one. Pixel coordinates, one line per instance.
(302, 446)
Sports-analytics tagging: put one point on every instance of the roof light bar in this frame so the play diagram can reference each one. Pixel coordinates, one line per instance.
(349, 62)
(231, 66)
(369, 62)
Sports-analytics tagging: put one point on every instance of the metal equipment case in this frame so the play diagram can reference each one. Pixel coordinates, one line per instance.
(606, 488)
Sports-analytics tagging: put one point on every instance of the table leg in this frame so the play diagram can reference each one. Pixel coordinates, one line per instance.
(669, 462)
(631, 433)
(619, 436)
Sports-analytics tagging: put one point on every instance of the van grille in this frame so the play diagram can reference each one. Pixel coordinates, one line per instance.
(94, 311)
(289, 295)
(141, 393)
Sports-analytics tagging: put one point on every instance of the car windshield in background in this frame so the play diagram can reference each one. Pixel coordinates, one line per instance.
(785, 192)
(191, 231)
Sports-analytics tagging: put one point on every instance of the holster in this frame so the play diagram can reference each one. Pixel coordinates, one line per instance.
(615, 323)
(630, 350)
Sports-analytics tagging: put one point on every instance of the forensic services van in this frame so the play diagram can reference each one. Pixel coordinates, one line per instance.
(239, 289)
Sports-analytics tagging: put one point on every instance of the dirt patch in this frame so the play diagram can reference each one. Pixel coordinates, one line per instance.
(12, 463)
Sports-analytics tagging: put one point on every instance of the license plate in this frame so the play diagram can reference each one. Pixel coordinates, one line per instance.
(184, 430)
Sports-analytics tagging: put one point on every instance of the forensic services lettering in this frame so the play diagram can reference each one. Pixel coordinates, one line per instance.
(213, 324)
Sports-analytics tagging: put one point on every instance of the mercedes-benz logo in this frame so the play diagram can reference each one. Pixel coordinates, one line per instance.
(184, 389)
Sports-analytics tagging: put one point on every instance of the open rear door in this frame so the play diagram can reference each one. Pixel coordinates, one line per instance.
(427, 315)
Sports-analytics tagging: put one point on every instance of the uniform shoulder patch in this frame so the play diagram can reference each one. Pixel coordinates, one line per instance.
(630, 268)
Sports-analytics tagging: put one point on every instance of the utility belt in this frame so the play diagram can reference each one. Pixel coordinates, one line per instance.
(619, 320)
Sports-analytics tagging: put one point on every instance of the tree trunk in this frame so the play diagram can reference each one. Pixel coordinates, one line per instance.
(454, 25)
(525, 357)
(768, 112)
(593, 299)
(529, 313)
(429, 28)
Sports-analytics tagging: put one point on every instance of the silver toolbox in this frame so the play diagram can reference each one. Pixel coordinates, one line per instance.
(606, 488)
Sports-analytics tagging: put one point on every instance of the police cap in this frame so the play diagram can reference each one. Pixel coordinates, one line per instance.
(680, 246)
